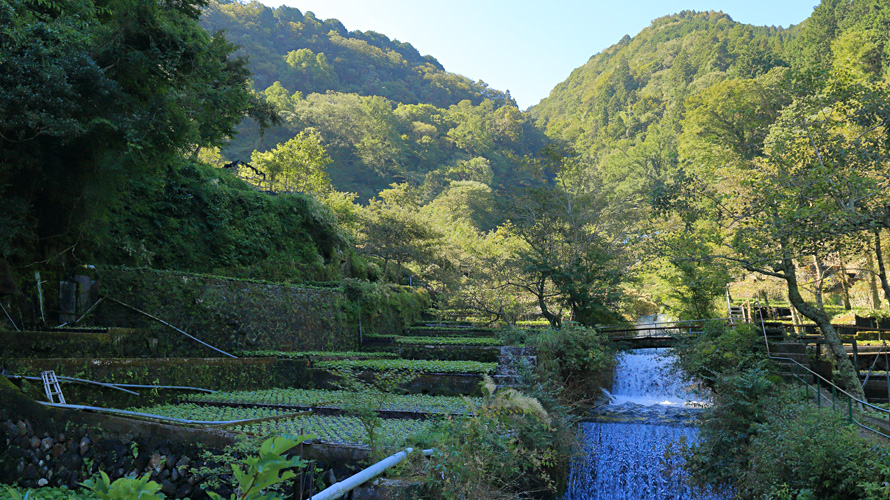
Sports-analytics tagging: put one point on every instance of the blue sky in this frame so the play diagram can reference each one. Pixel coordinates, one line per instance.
(527, 46)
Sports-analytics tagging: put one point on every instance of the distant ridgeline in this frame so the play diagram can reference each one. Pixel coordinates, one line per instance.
(643, 81)
(309, 55)
(386, 114)
(634, 93)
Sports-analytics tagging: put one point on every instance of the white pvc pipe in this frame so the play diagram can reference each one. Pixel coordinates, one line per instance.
(337, 490)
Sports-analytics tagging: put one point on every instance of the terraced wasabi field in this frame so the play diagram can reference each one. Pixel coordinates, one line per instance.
(337, 430)
(455, 341)
(419, 366)
(339, 399)
(317, 354)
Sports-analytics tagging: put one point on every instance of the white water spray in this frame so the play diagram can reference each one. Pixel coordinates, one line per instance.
(631, 460)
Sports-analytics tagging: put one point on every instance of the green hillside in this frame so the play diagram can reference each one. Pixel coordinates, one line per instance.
(643, 81)
(307, 55)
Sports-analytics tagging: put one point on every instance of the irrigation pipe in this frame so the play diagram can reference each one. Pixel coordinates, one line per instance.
(87, 313)
(9, 318)
(181, 387)
(870, 368)
(79, 380)
(159, 320)
(337, 490)
(119, 386)
(221, 423)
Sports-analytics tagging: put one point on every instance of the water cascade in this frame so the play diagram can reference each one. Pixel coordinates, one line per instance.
(627, 443)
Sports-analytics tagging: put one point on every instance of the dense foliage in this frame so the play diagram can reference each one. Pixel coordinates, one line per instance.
(95, 93)
(310, 55)
(510, 448)
(374, 142)
(573, 360)
(760, 440)
(197, 218)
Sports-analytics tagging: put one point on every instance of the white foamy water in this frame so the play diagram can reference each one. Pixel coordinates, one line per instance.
(632, 460)
(646, 377)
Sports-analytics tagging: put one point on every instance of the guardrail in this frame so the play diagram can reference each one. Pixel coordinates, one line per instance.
(836, 392)
(656, 330)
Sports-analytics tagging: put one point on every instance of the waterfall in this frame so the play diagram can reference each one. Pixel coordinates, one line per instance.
(647, 377)
(631, 459)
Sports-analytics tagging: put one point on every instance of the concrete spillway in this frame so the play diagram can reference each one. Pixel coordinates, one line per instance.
(627, 446)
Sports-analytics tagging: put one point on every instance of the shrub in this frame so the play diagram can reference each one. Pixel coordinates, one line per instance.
(506, 450)
(575, 357)
(804, 452)
(720, 350)
(758, 438)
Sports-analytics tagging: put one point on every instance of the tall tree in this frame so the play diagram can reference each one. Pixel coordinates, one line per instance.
(573, 246)
(822, 175)
(92, 92)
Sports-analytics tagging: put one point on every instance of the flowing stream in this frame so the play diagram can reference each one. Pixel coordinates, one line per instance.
(626, 455)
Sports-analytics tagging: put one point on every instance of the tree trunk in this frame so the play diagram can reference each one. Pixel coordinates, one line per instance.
(795, 319)
(872, 282)
(845, 285)
(542, 303)
(882, 271)
(817, 284)
(848, 375)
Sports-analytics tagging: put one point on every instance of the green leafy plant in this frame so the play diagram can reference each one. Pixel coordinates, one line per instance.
(506, 450)
(44, 493)
(364, 400)
(423, 366)
(124, 488)
(476, 341)
(575, 357)
(316, 354)
(266, 470)
(334, 429)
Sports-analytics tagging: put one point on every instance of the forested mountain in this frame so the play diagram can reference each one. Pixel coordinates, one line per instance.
(374, 142)
(385, 114)
(309, 55)
(644, 80)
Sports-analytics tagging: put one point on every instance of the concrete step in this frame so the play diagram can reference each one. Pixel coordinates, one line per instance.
(781, 348)
(800, 358)
(790, 378)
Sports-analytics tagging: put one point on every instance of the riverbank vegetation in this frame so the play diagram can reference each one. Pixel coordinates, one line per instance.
(521, 441)
(763, 439)
(701, 152)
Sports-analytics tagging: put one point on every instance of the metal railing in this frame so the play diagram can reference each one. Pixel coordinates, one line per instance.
(666, 329)
(799, 372)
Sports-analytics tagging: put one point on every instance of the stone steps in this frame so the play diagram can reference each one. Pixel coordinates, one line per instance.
(509, 362)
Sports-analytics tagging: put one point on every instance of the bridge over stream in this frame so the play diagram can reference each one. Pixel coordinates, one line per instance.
(656, 334)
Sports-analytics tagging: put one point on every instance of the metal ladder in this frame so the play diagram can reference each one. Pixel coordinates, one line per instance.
(51, 386)
(737, 314)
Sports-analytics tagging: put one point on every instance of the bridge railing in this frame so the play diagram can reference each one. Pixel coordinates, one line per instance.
(659, 330)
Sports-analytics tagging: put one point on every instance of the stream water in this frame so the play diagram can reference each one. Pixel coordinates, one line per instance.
(626, 455)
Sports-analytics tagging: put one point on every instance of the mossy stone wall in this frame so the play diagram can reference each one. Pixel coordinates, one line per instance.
(238, 314)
